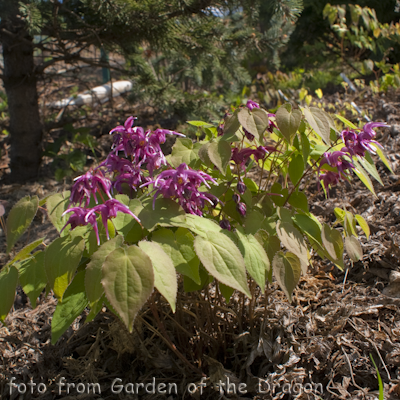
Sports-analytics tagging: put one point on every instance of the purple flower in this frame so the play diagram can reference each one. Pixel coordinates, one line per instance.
(329, 179)
(236, 198)
(241, 187)
(109, 210)
(337, 159)
(252, 104)
(249, 135)
(271, 124)
(224, 224)
(357, 144)
(89, 184)
(241, 207)
(143, 147)
(85, 216)
(242, 156)
(182, 184)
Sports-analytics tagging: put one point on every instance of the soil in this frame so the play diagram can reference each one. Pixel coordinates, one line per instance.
(319, 346)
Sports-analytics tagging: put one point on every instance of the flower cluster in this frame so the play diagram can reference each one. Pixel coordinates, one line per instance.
(85, 186)
(182, 184)
(356, 144)
(142, 148)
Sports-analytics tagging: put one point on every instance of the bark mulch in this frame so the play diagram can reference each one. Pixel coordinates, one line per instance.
(318, 347)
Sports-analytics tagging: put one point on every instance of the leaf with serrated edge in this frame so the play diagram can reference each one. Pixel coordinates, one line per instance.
(179, 247)
(8, 285)
(164, 271)
(128, 281)
(255, 258)
(319, 122)
(183, 151)
(287, 271)
(32, 276)
(254, 121)
(220, 154)
(353, 248)
(61, 261)
(293, 240)
(288, 121)
(74, 302)
(363, 224)
(94, 289)
(19, 218)
(56, 205)
(222, 259)
(200, 225)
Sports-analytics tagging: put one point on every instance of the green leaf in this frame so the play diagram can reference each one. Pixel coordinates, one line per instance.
(363, 176)
(56, 205)
(200, 225)
(296, 169)
(166, 212)
(293, 240)
(19, 218)
(184, 151)
(276, 188)
(255, 121)
(380, 383)
(287, 271)
(95, 308)
(179, 247)
(203, 154)
(299, 200)
(125, 224)
(62, 258)
(309, 226)
(222, 259)
(253, 222)
(8, 285)
(346, 121)
(200, 123)
(369, 165)
(363, 224)
(164, 271)
(318, 121)
(74, 302)
(32, 276)
(305, 148)
(190, 286)
(353, 248)
(94, 289)
(288, 121)
(226, 291)
(333, 242)
(220, 153)
(382, 156)
(128, 281)
(231, 126)
(255, 258)
(26, 251)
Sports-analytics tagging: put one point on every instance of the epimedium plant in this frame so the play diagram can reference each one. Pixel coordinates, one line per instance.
(231, 207)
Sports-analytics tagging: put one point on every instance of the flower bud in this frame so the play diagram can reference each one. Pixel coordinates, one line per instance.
(236, 198)
(241, 207)
(241, 187)
(224, 224)
(249, 135)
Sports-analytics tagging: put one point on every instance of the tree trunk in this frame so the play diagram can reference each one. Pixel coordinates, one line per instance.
(20, 85)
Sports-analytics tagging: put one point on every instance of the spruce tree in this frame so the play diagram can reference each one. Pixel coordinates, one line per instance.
(193, 45)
